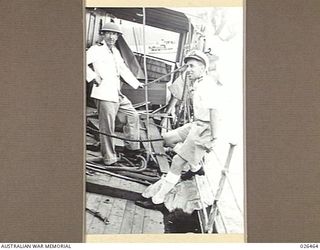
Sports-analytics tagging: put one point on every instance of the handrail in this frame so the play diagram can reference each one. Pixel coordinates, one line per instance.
(229, 183)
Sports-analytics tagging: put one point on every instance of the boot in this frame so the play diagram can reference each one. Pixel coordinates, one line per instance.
(148, 204)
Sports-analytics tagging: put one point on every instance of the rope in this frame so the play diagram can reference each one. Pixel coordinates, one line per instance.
(146, 77)
(170, 73)
(147, 183)
(122, 138)
(218, 159)
(222, 219)
(233, 194)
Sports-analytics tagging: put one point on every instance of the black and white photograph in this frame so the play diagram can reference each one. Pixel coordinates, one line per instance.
(164, 120)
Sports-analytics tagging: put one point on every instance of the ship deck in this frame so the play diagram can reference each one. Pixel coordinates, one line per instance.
(113, 196)
(124, 217)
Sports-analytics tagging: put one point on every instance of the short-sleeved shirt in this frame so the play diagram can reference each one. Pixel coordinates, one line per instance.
(205, 94)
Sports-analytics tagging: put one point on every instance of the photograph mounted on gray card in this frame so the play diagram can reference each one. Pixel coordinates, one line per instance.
(164, 120)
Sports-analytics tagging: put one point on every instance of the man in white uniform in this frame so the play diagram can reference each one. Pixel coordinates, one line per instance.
(108, 66)
(195, 137)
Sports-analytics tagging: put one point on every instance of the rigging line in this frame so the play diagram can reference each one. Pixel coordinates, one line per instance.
(218, 159)
(122, 138)
(234, 196)
(146, 76)
(182, 68)
(222, 218)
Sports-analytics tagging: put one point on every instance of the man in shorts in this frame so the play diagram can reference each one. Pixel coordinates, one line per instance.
(196, 137)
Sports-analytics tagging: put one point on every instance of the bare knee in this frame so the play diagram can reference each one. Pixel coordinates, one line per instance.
(178, 164)
(170, 140)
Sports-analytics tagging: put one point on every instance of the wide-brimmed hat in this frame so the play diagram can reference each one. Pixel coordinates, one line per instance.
(111, 27)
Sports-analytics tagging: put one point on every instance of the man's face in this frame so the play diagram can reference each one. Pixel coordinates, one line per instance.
(110, 38)
(195, 69)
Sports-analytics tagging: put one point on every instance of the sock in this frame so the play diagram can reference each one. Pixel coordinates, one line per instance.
(167, 184)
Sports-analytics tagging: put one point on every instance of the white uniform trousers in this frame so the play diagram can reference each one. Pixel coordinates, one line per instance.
(125, 112)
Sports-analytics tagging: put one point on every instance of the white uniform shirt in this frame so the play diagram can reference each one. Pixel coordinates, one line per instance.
(109, 66)
(206, 95)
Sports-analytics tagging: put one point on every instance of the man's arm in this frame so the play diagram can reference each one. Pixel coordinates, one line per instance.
(129, 78)
(213, 123)
(126, 73)
(90, 74)
(171, 104)
(176, 90)
(169, 110)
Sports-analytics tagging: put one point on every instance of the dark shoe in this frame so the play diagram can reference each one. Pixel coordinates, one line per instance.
(148, 204)
(188, 175)
(130, 152)
(114, 164)
(142, 198)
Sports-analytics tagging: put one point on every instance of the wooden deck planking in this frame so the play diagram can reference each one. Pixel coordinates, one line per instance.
(92, 203)
(105, 208)
(122, 184)
(89, 200)
(153, 222)
(95, 226)
(127, 221)
(116, 216)
(105, 211)
(157, 146)
(157, 221)
(124, 217)
(138, 220)
(99, 178)
(118, 207)
(115, 182)
(133, 186)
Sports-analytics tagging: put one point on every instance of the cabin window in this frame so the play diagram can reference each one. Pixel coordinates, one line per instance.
(159, 43)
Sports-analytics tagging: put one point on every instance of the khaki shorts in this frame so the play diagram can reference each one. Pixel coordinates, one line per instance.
(195, 138)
